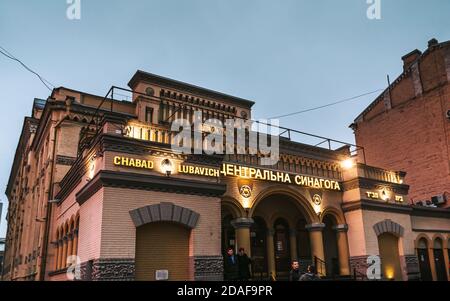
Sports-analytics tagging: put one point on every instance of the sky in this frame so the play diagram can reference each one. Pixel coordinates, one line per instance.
(285, 55)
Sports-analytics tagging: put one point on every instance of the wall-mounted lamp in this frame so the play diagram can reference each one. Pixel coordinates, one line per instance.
(347, 163)
(166, 167)
(317, 204)
(384, 195)
(91, 168)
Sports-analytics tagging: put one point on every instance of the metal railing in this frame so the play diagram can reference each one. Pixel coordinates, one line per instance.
(320, 266)
(287, 133)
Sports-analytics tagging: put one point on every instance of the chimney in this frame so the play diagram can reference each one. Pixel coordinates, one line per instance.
(432, 42)
(410, 58)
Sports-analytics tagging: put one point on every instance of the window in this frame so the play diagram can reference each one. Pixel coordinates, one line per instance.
(149, 115)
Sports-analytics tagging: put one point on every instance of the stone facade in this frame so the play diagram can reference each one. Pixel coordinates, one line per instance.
(209, 268)
(113, 269)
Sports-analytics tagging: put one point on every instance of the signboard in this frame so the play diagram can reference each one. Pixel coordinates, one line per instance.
(383, 195)
(161, 275)
(228, 169)
(133, 162)
(243, 172)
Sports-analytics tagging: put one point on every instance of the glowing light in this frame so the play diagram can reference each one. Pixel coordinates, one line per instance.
(166, 167)
(246, 203)
(91, 169)
(389, 273)
(347, 163)
(384, 195)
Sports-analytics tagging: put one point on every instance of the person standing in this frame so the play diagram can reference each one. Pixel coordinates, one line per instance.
(244, 265)
(294, 273)
(310, 275)
(231, 265)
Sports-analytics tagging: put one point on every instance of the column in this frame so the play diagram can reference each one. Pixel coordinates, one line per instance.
(446, 261)
(343, 253)
(64, 252)
(293, 243)
(270, 253)
(315, 236)
(75, 242)
(57, 255)
(432, 262)
(60, 254)
(242, 230)
(69, 244)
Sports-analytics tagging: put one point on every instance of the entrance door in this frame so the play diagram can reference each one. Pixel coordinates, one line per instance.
(282, 248)
(330, 247)
(228, 234)
(440, 265)
(390, 258)
(258, 235)
(438, 252)
(303, 246)
(424, 260)
(424, 264)
(162, 246)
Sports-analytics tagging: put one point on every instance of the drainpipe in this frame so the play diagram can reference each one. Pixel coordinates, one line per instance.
(49, 206)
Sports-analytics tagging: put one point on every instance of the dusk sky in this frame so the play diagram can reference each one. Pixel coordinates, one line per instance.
(285, 55)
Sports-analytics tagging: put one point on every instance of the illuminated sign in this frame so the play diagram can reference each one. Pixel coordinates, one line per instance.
(242, 172)
(384, 197)
(260, 174)
(133, 162)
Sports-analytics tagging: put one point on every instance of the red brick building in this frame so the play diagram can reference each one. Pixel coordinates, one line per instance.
(408, 126)
(97, 192)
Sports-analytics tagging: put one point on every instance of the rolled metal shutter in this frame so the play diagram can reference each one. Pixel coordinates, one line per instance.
(162, 246)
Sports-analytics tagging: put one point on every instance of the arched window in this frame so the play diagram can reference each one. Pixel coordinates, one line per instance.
(423, 244)
(437, 244)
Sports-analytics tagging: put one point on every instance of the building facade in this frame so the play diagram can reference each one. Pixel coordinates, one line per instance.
(95, 183)
(408, 126)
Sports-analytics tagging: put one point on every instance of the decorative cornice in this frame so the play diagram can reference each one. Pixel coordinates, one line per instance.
(431, 230)
(315, 227)
(185, 87)
(376, 206)
(430, 211)
(242, 222)
(106, 178)
(341, 228)
(368, 183)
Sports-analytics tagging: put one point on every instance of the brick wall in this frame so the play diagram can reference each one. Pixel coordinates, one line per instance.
(119, 232)
(414, 134)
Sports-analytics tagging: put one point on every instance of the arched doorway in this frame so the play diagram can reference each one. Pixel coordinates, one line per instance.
(424, 260)
(162, 246)
(281, 246)
(285, 217)
(330, 246)
(228, 233)
(163, 241)
(438, 252)
(390, 258)
(303, 245)
(258, 234)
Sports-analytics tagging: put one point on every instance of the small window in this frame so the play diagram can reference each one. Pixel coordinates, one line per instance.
(149, 91)
(149, 115)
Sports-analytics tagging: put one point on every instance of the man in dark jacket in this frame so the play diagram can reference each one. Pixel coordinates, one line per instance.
(231, 266)
(294, 274)
(310, 275)
(244, 265)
